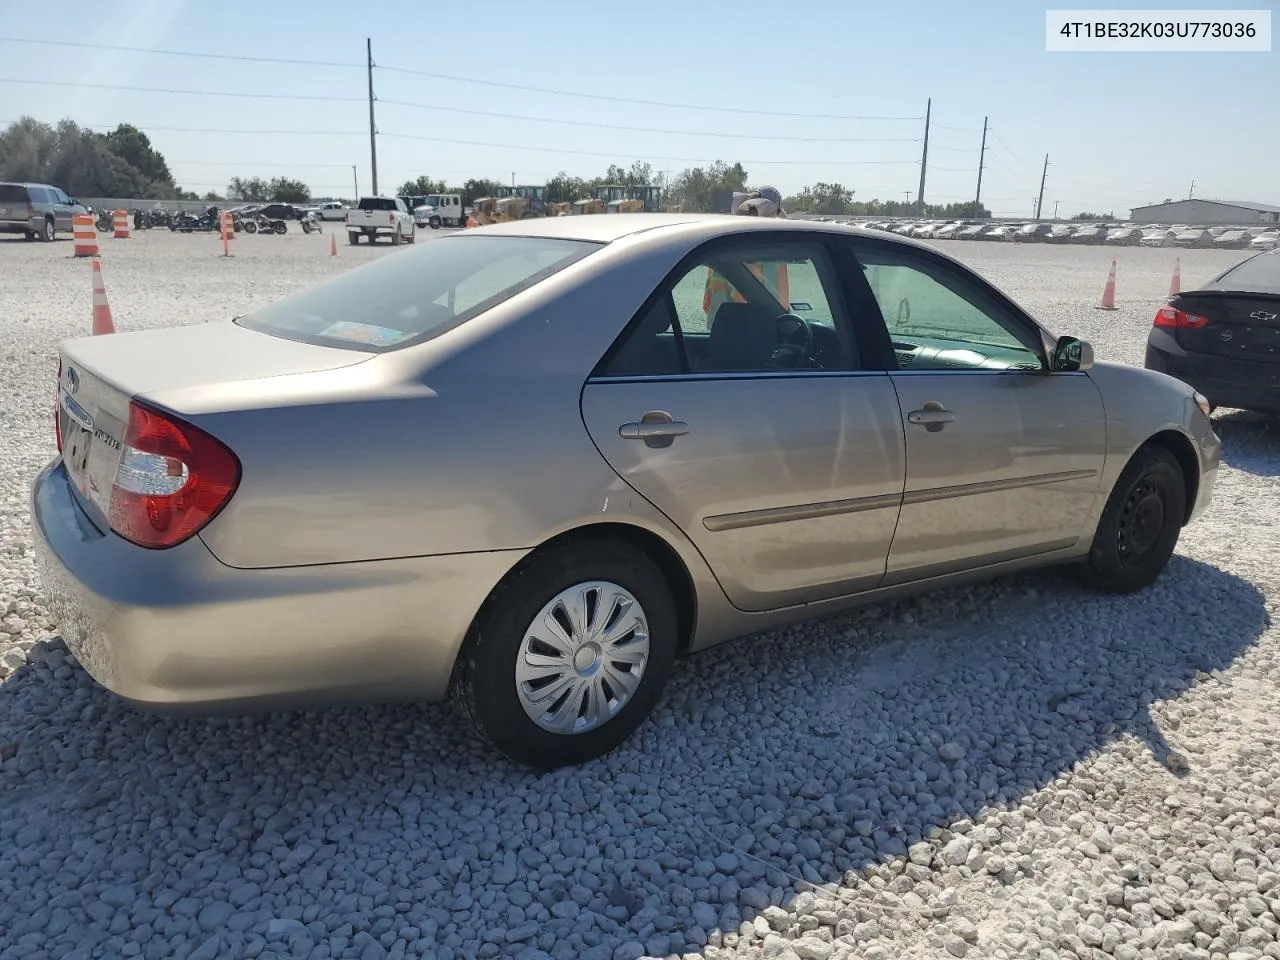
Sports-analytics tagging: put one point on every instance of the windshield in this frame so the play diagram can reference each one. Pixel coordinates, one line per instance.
(405, 298)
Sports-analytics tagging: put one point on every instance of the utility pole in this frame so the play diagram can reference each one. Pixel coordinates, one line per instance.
(1192, 192)
(924, 158)
(1043, 174)
(355, 183)
(373, 139)
(1055, 208)
(982, 155)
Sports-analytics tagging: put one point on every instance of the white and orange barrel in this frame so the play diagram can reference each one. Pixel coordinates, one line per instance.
(120, 221)
(86, 235)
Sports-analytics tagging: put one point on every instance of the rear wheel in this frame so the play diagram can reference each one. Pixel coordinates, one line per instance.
(1140, 524)
(48, 232)
(569, 654)
(280, 226)
(353, 238)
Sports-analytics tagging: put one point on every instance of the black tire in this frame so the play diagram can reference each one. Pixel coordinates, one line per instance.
(30, 235)
(250, 227)
(280, 226)
(50, 231)
(353, 238)
(1140, 524)
(484, 683)
(434, 223)
(413, 236)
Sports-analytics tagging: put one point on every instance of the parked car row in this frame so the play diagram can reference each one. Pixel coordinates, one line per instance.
(1111, 234)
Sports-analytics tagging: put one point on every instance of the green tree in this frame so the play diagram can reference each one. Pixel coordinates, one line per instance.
(422, 187)
(254, 189)
(828, 199)
(473, 190)
(707, 189)
(285, 190)
(563, 188)
(134, 147)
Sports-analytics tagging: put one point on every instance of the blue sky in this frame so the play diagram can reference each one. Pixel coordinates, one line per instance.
(1119, 129)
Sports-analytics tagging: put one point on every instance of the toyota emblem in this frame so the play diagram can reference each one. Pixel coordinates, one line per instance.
(73, 380)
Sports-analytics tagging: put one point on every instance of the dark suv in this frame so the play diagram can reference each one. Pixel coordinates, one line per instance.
(37, 210)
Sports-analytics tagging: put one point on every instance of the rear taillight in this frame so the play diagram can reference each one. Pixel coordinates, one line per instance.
(1173, 318)
(57, 407)
(173, 479)
(31, 210)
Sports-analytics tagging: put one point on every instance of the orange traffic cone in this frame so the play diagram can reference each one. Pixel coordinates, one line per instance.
(1109, 291)
(1175, 284)
(333, 245)
(102, 322)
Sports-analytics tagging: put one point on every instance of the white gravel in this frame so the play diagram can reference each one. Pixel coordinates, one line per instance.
(1022, 769)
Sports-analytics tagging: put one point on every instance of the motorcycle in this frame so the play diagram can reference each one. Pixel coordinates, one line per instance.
(310, 222)
(104, 222)
(261, 224)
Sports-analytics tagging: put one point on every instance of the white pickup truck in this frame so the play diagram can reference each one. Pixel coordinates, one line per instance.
(375, 217)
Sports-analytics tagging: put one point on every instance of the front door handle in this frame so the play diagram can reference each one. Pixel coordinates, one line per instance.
(933, 416)
(656, 428)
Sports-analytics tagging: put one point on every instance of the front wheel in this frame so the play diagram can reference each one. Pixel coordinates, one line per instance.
(569, 654)
(280, 226)
(250, 226)
(1140, 523)
(434, 223)
(48, 233)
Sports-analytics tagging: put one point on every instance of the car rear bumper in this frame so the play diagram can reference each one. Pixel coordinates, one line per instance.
(1242, 384)
(21, 226)
(177, 629)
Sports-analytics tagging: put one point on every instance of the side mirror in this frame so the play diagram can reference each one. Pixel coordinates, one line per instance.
(1072, 355)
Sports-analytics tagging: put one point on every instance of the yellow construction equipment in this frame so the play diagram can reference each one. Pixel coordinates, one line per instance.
(626, 206)
(588, 205)
(562, 209)
(649, 195)
(484, 210)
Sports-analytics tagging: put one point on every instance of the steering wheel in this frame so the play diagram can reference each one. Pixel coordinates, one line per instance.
(795, 341)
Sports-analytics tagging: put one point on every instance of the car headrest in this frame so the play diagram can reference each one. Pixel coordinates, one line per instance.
(744, 336)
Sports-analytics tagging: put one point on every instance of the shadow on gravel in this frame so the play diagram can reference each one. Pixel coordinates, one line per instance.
(1250, 442)
(798, 755)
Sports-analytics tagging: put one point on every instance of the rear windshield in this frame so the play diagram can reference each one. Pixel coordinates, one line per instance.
(410, 296)
(1260, 274)
(12, 193)
(377, 203)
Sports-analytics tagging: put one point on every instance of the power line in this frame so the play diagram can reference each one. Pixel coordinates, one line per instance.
(619, 155)
(180, 53)
(192, 93)
(635, 100)
(635, 129)
(454, 78)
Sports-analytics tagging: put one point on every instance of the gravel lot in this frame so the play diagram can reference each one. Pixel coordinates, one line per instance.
(1022, 769)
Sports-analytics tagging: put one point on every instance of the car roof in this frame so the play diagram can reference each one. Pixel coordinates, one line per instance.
(608, 227)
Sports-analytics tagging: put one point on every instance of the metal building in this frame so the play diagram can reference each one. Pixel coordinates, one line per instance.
(1206, 213)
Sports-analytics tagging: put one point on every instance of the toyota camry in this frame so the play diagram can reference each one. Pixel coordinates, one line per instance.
(530, 465)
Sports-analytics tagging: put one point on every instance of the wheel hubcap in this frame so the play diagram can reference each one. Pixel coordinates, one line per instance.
(582, 658)
(1141, 521)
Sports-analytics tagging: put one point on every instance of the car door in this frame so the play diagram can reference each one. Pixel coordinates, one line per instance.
(783, 464)
(1004, 457)
(60, 205)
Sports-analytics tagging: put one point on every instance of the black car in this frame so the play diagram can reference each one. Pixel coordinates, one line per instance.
(1224, 338)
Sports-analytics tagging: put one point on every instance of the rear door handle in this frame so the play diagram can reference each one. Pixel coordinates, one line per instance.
(656, 428)
(932, 416)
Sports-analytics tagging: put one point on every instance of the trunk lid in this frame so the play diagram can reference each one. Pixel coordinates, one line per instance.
(101, 375)
(1243, 326)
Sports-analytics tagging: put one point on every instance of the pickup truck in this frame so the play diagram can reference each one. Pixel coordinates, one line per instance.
(375, 217)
